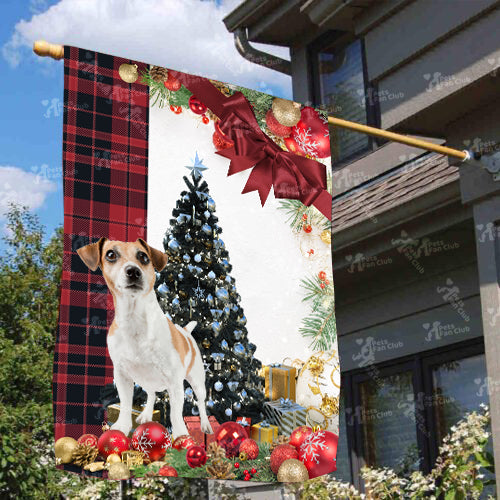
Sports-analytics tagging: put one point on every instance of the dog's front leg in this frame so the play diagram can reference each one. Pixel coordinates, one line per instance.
(125, 386)
(176, 395)
(147, 414)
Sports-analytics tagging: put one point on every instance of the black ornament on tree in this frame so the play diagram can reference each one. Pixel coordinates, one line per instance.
(196, 285)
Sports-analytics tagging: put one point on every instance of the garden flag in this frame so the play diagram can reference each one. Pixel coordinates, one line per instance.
(197, 332)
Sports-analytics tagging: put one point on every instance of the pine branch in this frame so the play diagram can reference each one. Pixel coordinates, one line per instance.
(320, 327)
(161, 96)
(295, 210)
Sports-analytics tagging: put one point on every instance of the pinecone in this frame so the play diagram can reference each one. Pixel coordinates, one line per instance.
(84, 455)
(216, 452)
(222, 87)
(220, 469)
(280, 440)
(158, 74)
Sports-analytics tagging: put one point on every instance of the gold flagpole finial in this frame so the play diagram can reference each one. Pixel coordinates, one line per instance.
(46, 49)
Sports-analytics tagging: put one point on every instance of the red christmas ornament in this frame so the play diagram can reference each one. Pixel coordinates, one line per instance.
(250, 447)
(275, 126)
(168, 471)
(205, 119)
(196, 106)
(319, 453)
(171, 83)
(298, 436)
(183, 442)
(307, 228)
(237, 465)
(311, 134)
(322, 285)
(322, 275)
(281, 453)
(253, 471)
(230, 436)
(304, 217)
(152, 439)
(176, 109)
(112, 441)
(246, 478)
(89, 440)
(292, 146)
(220, 140)
(196, 456)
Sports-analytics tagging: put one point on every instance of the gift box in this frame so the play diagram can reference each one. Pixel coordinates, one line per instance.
(114, 411)
(286, 414)
(194, 428)
(245, 422)
(264, 432)
(280, 381)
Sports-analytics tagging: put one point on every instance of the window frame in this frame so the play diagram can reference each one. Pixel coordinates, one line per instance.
(420, 364)
(338, 39)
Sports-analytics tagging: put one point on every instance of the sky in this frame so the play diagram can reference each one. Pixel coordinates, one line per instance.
(187, 35)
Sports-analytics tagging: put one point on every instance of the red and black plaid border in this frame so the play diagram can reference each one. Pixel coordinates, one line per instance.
(105, 162)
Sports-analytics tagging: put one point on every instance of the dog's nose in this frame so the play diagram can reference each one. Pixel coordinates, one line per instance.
(133, 273)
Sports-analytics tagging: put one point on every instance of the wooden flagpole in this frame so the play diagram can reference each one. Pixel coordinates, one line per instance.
(45, 49)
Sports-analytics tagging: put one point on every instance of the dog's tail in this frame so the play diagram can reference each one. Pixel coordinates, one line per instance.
(190, 326)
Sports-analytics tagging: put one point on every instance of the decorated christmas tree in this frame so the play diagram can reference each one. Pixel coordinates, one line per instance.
(196, 285)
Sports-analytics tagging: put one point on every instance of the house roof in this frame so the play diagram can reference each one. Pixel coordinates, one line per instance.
(282, 22)
(400, 186)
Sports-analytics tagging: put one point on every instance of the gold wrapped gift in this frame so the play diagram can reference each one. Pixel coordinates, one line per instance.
(114, 411)
(280, 381)
(264, 432)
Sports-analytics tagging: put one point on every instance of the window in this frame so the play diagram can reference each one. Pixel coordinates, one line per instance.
(397, 413)
(339, 85)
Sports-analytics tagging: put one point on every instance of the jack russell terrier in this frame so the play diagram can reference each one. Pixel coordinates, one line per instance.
(144, 345)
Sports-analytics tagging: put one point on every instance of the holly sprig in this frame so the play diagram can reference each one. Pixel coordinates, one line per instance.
(297, 212)
(161, 96)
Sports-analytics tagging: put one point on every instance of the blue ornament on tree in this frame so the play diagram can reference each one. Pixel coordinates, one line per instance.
(206, 229)
(174, 245)
(218, 386)
(186, 258)
(211, 275)
(222, 294)
(188, 237)
(228, 412)
(197, 258)
(163, 289)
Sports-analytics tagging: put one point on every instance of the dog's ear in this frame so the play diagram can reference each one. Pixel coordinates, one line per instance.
(159, 259)
(91, 254)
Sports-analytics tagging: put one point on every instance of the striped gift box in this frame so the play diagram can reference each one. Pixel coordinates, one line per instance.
(286, 414)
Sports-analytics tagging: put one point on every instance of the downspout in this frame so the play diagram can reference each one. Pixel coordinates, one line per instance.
(257, 56)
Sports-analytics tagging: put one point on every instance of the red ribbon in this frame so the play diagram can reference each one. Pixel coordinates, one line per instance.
(291, 176)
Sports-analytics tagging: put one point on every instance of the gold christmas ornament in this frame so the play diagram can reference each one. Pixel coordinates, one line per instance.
(158, 74)
(95, 466)
(113, 459)
(128, 72)
(64, 449)
(243, 456)
(133, 458)
(326, 237)
(220, 469)
(118, 470)
(84, 454)
(292, 471)
(329, 406)
(286, 112)
(315, 365)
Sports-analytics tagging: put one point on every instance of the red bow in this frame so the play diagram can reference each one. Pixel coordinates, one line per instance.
(291, 176)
